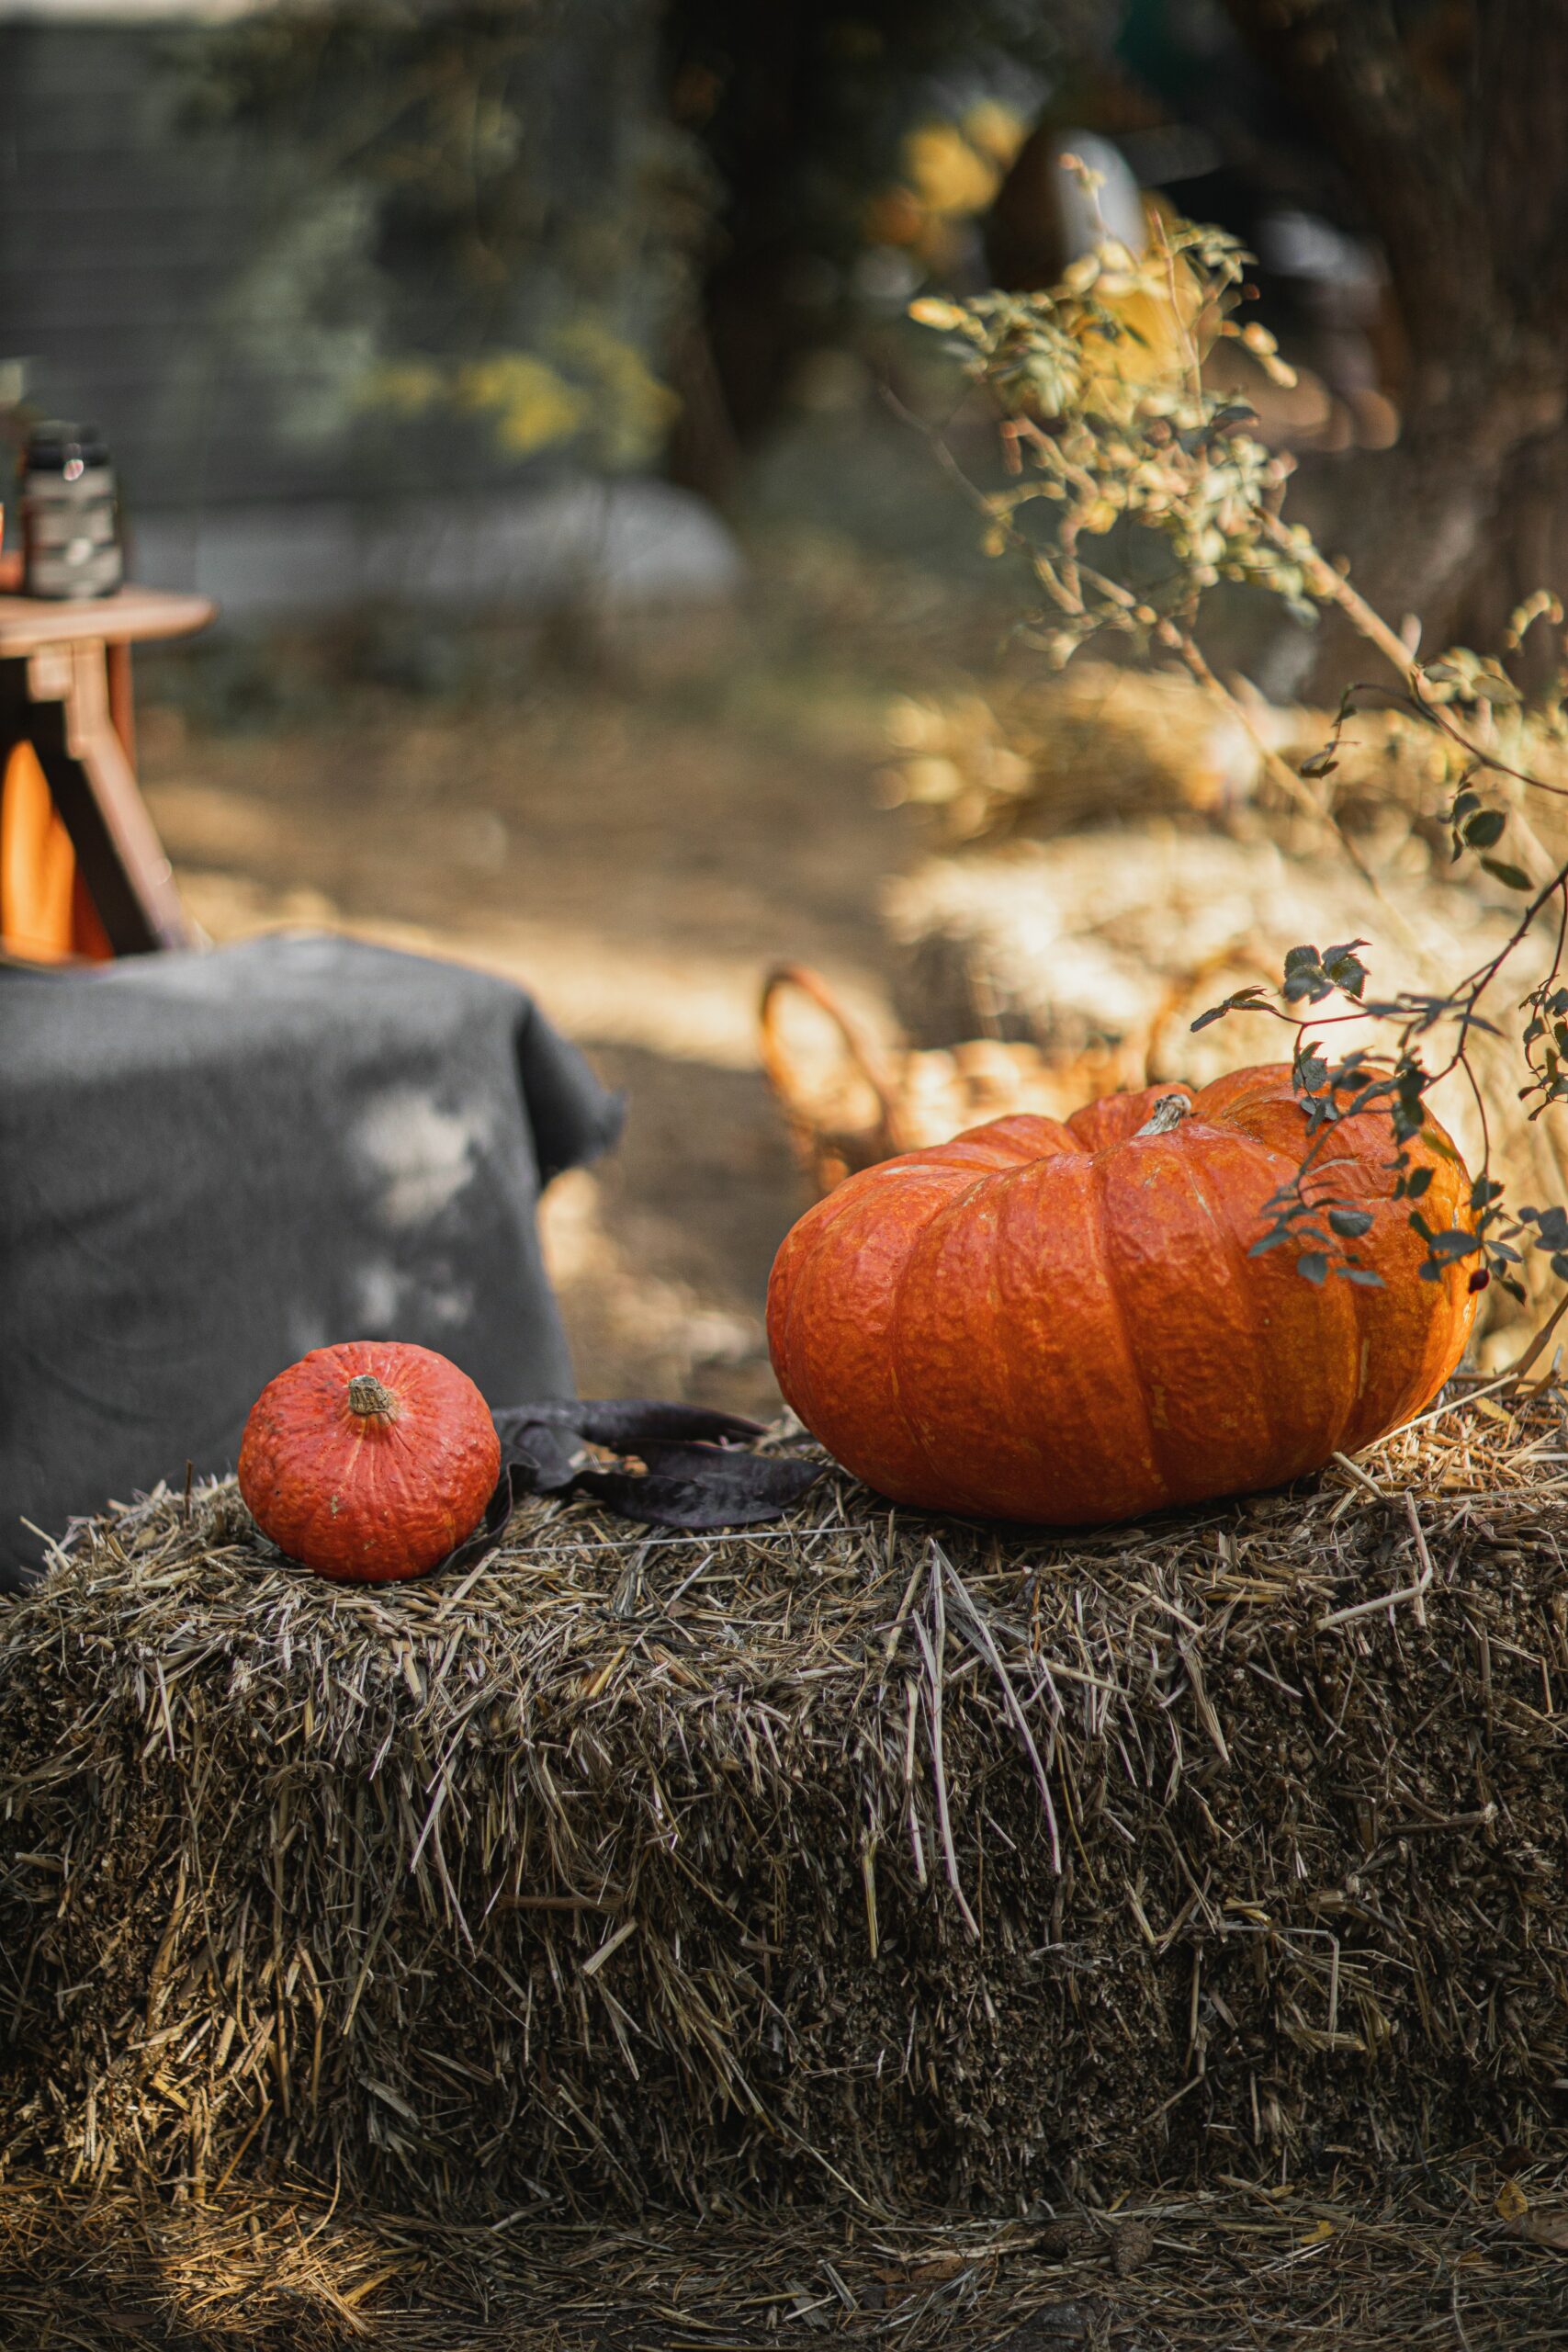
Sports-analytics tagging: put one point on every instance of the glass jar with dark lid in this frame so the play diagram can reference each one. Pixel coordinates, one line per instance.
(70, 519)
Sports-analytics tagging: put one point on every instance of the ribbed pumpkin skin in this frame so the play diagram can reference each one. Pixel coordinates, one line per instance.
(1061, 1322)
(369, 1499)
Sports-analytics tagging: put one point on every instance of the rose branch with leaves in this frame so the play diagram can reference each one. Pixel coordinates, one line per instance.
(1105, 425)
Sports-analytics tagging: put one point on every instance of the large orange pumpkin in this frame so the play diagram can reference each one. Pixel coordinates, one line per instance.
(369, 1460)
(1063, 1323)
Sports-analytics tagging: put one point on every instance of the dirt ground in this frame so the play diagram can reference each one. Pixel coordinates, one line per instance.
(635, 833)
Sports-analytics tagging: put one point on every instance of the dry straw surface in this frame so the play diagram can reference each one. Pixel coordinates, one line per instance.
(1242, 2268)
(869, 1856)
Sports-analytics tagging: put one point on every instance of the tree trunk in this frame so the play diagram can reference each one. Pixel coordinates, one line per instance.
(1460, 154)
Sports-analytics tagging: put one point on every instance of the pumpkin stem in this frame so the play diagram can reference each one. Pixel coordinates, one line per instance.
(370, 1399)
(1168, 1113)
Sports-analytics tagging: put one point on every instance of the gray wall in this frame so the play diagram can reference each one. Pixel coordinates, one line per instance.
(120, 235)
(203, 300)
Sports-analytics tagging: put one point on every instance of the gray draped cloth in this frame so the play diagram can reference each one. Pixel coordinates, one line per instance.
(211, 1163)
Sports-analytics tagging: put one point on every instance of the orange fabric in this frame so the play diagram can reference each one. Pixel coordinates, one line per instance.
(46, 914)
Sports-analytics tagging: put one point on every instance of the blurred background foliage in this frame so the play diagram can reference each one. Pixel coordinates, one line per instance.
(480, 215)
(382, 249)
(650, 234)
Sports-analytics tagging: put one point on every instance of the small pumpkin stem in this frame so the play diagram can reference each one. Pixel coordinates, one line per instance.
(1168, 1113)
(370, 1399)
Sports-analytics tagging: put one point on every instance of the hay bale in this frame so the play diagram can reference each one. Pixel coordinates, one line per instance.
(1051, 754)
(871, 1850)
(1096, 939)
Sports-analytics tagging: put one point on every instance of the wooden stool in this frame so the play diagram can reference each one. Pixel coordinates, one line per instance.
(65, 693)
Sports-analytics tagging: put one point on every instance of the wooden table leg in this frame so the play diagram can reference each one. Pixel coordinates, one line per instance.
(122, 697)
(64, 692)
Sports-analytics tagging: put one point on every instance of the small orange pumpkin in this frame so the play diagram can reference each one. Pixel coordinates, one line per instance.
(1060, 1321)
(369, 1460)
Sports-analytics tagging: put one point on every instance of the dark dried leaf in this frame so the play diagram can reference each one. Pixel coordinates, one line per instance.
(1131, 2248)
(1242, 999)
(1484, 829)
(1345, 967)
(1063, 2236)
(1543, 2229)
(1452, 1244)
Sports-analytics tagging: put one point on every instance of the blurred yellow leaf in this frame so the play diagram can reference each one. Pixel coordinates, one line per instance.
(533, 406)
(1512, 2202)
(627, 406)
(946, 172)
(996, 131)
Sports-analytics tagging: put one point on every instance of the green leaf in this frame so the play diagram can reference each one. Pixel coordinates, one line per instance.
(1350, 1223)
(1485, 830)
(1512, 877)
(1313, 1267)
